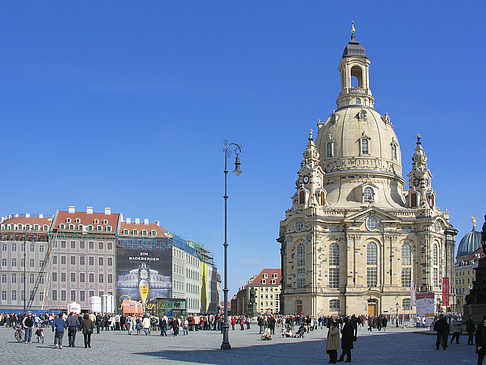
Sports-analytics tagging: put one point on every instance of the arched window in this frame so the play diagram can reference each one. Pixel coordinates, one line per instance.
(413, 200)
(394, 152)
(371, 261)
(371, 254)
(301, 255)
(368, 195)
(330, 149)
(358, 101)
(356, 76)
(406, 254)
(365, 147)
(302, 197)
(334, 305)
(435, 263)
(323, 198)
(334, 254)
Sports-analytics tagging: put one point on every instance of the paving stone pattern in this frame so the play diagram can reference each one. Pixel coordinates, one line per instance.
(395, 346)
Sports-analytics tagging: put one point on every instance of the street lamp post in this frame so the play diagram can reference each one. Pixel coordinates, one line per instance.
(25, 279)
(397, 313)
(227, 152)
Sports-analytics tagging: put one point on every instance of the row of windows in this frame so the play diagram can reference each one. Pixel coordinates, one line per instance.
(82, 245)
(364, 144)
(13, 278)
(82, 260)
(463, 281)
(22, 247)
(82, 277)
(144, 232)
(191, 288)
(88, 227)
(78, 220)
(63, 295)
(26, 227)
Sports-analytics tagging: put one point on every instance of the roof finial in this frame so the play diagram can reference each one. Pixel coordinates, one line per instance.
(310, 135)
(353, 38)
(474, 222)
(418, 139)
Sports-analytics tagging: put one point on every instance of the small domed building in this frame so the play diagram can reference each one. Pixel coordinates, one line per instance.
(469, 252)
(355, 239)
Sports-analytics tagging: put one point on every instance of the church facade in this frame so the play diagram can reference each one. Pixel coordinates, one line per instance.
(355, 240)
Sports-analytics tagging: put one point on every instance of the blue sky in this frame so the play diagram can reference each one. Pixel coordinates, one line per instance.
(126, 104)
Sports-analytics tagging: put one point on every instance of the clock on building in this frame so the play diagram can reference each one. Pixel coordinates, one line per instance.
(306, 179)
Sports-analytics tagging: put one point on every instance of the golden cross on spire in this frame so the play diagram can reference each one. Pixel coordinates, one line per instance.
(474, 222)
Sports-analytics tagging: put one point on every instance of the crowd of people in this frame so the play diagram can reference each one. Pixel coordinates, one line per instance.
(342, 330)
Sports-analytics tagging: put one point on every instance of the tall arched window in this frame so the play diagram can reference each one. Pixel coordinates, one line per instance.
(365, 148)
(371, 261)
(330, 149)
(368, 195)
(406, 254)
(435, 263)
(334, 254)
(406, 265)
(413, 200)
(394, 152)
(323, 198)
(302, 197)
(334, 265)
(301, 255)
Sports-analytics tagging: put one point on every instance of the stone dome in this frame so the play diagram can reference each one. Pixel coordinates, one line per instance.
(469, 243)
(358, 139)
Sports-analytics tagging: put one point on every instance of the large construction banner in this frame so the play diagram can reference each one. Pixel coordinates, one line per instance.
(204, 288)
(425, 306)
(143, 272)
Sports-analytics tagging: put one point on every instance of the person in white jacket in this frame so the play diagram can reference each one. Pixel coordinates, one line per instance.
(146, 325)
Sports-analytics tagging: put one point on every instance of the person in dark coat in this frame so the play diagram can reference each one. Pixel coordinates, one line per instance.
(481, 341)
(347, 340)
(442, 329)
(471, 329)
(86, 327)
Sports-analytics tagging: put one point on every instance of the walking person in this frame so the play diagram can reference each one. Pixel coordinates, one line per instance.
(471, 329)
(86, 327)
(146, 325)
(163, 326)
(481, 341)
(28, 323)
(332, 345)
(58, 327)
(72, 325)
(442, 329)
(456, 330)
(347, 340)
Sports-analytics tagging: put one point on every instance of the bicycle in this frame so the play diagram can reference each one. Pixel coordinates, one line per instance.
(19, 334)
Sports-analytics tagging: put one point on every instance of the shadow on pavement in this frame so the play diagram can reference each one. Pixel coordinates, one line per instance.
(379, 348)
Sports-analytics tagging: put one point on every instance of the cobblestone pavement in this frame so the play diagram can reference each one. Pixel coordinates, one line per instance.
(395, 346)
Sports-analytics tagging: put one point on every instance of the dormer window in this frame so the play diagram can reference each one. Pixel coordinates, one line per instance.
(68, 220)
(144, 232)
(264, 281)
(78, 220)
(96, 221)
(125, 231)
(62, 226)
(105, 221)
(362, 115)
(368, 195)
(135, 232)
(99, 228)
(154, 233)
(108, 228)
(71, 227)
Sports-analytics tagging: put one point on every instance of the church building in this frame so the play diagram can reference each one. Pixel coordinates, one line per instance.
(355, 241)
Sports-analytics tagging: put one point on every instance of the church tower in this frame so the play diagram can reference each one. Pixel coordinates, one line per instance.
(355, 239)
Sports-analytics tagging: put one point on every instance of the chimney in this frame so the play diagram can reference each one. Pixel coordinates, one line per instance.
(72, 209)
(16, 215)
(89, 210)
(27, 215)
(129, 220)
(137, 220)
(145, 221)
(107, 211)
(41, 215)
(157, 223)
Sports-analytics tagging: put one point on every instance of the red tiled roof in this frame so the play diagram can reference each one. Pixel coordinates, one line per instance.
(268, 280)
(149, 227)
(87, 219)
(28, 220)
